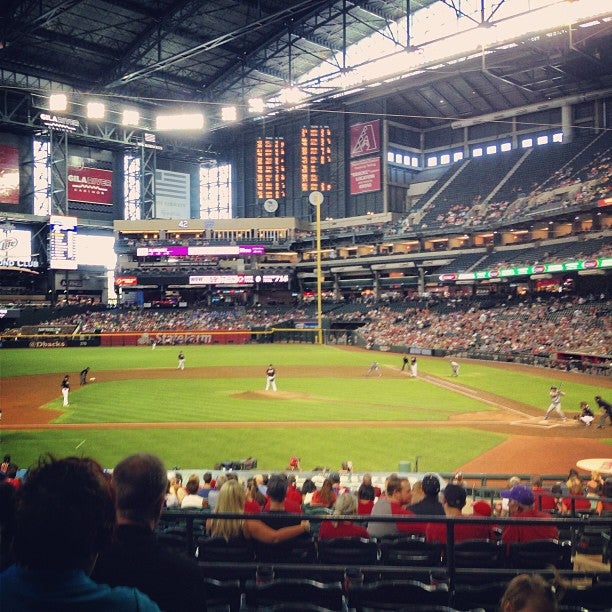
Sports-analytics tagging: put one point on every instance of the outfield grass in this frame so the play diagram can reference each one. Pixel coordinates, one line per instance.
(173, 399)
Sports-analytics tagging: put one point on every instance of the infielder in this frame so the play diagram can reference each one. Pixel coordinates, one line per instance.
(66, 389)
(374, 368)
(454, 368)
(271, 378)
(181, 361)
(555, 402)
(413, 367)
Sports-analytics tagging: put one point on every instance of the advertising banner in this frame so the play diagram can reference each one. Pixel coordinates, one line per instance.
(91, 185)
(365, 175)
(365, 138)
(9, 175)
(160, 338)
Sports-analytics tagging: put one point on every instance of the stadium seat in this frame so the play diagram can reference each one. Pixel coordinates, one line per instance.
(298, 550)
(396, 594)
(411, 551)
(223, 595)
(295, 592)
(348, 551)
(485, 596)
(540, 554)
(595, 598)
(479, 553)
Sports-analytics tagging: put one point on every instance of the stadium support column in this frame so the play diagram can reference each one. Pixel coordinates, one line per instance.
(147, 185)
(58, 162)
(421, 281)
(566, 123)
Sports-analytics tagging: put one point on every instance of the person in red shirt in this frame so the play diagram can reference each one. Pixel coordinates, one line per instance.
(293, 493)
(544, 499)
(453, 500)
(520, 504)
(346, 504)
(399, 495)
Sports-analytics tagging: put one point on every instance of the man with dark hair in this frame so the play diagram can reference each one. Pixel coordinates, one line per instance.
(398, 493)
(454, 498)
(277, 515)
(430, 504)
(64, 518)
(136, 558)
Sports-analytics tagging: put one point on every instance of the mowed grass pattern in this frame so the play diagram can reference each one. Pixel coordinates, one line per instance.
(178, 399)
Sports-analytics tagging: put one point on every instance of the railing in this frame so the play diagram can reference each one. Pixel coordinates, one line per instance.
(448, 567)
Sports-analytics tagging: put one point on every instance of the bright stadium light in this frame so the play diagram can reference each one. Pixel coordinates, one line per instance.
(229, 113)
(130, 117)
(188, 121)
(96, 110)
(58, 102)
(256, 105)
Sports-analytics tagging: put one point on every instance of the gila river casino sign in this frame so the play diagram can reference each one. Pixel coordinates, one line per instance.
(91, 185)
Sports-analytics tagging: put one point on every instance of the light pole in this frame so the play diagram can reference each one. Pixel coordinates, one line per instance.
(316, 199)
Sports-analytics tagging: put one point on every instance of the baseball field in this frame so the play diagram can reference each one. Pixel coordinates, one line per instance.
(327, 409)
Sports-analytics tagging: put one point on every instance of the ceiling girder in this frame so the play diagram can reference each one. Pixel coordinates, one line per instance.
(214, 43)
(24, 24)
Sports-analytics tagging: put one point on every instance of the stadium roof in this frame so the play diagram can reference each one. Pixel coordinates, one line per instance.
(217, 52)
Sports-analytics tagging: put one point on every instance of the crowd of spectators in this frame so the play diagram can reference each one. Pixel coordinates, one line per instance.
(528, 327)
(79, 539)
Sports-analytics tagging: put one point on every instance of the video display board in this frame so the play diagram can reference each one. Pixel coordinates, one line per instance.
(214, 251)
(9, 174)
(270, 169)
(62, 243)
(315, 152)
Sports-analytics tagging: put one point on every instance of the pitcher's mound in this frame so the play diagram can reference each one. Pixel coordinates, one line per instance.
(270, 395)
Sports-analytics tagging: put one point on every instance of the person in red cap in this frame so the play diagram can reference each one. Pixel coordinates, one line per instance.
(520, 504)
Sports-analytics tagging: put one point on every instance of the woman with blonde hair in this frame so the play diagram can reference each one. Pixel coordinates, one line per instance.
(231, 500)
(346, 505)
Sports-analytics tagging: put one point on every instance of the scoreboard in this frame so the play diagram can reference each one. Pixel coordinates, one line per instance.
(270, 170)
(62, 243)
(315, 149)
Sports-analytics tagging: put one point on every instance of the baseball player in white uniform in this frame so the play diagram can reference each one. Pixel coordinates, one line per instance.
(271, 378)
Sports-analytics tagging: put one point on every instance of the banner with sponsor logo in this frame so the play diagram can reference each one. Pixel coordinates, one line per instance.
(365, 138)
(91, 185)
(543, 268)
(365, 175)
(160, 338)
(16, 247)
(9, 174)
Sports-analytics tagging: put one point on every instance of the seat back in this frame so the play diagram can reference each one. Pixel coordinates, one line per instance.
(395, 594)
(540, 554)
(410, 551)
(479, 553)
(348, 551)
(223, 594)
(297, 550)
(295, 591)
(485, 596)
(237, 550)
(594, 598)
